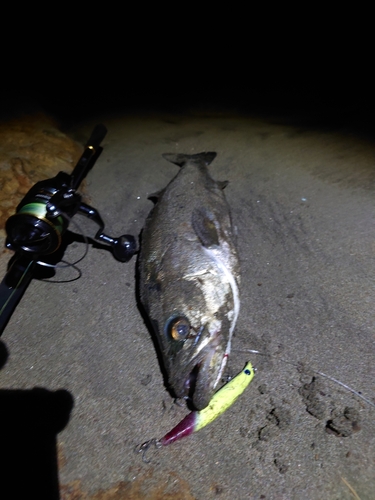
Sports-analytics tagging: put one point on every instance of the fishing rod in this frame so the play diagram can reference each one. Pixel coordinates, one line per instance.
(36, 231)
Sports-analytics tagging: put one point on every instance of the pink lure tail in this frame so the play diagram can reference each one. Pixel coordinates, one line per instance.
(182, 429)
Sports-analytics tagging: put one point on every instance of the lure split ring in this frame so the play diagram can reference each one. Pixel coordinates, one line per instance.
(144, 447)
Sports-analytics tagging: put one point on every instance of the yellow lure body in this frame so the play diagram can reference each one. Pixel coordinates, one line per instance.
(224, 397)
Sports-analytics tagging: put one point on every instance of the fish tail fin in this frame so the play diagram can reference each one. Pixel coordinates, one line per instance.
(181, 159)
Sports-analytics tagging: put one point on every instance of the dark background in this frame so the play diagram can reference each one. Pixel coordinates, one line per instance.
(337, 96)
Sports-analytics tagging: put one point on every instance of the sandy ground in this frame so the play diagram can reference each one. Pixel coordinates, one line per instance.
(302, 200)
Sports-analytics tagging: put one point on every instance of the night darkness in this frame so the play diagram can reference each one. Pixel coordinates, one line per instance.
(336, 100)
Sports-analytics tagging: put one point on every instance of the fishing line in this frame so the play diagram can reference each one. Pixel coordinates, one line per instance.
(70, 264)
(76, 268)
(298, 366)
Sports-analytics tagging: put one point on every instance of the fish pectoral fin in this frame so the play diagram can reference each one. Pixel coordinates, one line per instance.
(181, 159)
(204, 227)
(222, 184)
(155, 196)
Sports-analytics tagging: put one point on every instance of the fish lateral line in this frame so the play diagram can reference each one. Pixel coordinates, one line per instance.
(196, 420)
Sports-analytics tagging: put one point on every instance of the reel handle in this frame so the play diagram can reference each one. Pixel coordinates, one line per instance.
(123, 247)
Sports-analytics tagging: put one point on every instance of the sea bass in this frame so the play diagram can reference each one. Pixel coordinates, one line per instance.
(189, 278)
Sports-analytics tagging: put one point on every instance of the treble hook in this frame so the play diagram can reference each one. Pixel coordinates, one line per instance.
(144, 447)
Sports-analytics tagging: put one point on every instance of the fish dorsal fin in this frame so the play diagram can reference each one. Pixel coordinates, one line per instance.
(204, 227)
(181, 159)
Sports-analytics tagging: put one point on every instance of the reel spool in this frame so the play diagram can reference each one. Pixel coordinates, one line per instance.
(32, 228)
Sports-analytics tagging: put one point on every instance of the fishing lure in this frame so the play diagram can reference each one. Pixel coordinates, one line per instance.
(196, 420)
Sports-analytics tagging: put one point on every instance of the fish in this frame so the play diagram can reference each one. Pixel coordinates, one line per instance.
(189, 277)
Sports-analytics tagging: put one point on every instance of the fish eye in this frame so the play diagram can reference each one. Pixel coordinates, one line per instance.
(178, 328)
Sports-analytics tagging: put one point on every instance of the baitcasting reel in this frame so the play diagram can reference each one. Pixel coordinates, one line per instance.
(41, 219)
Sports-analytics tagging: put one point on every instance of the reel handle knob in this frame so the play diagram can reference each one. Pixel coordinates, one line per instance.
(123, 247)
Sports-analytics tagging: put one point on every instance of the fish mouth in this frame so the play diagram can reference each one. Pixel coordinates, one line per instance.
(202, 377)
(197, 390)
